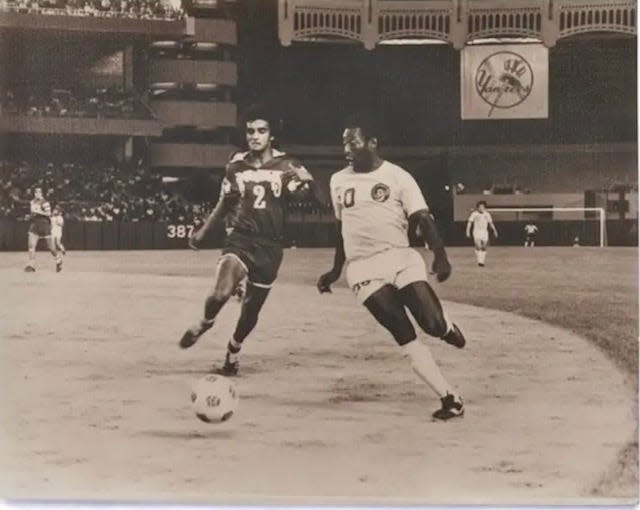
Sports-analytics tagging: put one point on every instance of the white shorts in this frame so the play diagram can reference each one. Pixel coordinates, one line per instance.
(398, 267)
(481, 238)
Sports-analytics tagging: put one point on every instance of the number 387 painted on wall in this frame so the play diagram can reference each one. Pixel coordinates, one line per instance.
(179, 231)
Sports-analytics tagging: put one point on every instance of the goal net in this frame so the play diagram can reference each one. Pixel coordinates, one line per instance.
(557, 226)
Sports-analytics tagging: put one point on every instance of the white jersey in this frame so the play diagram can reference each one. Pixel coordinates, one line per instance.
(530, 229)
(374, 208)
(480, 222)
(57, 222)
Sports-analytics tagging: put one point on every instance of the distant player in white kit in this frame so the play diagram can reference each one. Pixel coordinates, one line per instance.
(57, 222)
(374, 201)
(480, 220)
(530, 231)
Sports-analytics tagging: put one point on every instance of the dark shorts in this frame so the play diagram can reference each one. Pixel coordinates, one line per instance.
(262, 258)
(40, 227)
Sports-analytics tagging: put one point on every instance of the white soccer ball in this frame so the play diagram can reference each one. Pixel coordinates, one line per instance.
(214, 398)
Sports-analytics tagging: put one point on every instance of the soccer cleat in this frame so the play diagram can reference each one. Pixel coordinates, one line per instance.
(452, 407)
(192, 335)
(58, 266)
(229, 369)
(455, 337)
(481, 264)
(29, 269)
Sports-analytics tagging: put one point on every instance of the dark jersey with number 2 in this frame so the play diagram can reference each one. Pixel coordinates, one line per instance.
(263, 191)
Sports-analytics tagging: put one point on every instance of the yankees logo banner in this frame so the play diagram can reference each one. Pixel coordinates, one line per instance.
(506, 81)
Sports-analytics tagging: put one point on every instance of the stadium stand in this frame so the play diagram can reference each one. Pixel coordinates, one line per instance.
(136, 9)
(98, 192)
(109, 102)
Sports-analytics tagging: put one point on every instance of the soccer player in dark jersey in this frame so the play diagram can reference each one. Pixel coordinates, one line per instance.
(253, 198)
(40, 228)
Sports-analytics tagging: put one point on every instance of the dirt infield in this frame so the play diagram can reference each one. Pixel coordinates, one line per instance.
(95, 401)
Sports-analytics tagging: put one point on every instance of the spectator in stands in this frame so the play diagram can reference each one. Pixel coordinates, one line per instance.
(110, 102)
(147, 9)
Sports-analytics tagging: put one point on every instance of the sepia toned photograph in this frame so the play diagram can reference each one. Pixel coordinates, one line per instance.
(319, 252)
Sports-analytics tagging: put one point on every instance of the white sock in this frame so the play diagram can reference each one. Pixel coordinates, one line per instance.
(478, 252)
(483, 256)
(425, 366)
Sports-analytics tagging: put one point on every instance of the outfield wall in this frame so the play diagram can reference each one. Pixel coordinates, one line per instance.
(316, 232)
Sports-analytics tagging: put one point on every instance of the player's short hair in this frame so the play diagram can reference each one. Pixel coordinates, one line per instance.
(366, 122)
(259, 112)
(481, 202)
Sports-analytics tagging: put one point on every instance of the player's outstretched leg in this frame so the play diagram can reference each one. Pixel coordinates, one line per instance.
(252, 303)
(482, 254)
(229, 273)
(477, 250)
(59, 246)
(32, 241)
(56, 254)
(387, 307)
(424, 305)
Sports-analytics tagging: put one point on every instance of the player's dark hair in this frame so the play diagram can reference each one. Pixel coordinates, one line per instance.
(366, 122)
(481, 202)
(259, 112)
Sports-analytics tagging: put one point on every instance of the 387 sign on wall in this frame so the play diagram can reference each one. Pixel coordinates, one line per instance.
(506, 81)
(179, 231)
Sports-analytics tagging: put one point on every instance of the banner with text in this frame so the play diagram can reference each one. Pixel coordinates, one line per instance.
(506, 81)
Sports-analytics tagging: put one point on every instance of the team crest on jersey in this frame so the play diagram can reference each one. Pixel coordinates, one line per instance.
(380, 192)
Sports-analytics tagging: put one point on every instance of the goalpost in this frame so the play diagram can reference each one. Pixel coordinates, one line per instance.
(602, 230)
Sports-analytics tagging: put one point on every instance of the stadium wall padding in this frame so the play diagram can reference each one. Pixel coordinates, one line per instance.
(85, 235)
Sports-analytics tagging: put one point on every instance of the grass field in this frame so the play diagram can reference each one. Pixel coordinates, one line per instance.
(324, 391)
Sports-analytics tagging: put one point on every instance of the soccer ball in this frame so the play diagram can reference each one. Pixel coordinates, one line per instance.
(214, 398)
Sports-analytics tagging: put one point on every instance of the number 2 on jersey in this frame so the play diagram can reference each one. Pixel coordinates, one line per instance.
(259, 192)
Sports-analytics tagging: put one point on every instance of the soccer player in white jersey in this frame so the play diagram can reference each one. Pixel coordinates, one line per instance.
(40, 228)
(530, 231)
(57, 222)
(480, 220)
(374, 202)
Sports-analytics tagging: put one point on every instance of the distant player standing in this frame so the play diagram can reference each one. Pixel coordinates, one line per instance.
(40, 228)
(253, 196)
(480, 220)
(57, 223)
(530, 231)
(374, 202)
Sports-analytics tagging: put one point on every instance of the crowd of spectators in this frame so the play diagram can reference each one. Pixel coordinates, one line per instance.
(97, 192)
(112, 102)
(136, 9)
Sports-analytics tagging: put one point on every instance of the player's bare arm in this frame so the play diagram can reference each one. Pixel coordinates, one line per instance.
(220, 211)
(494, 229)
(469, 223)
(327, 279)
(441, 266)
